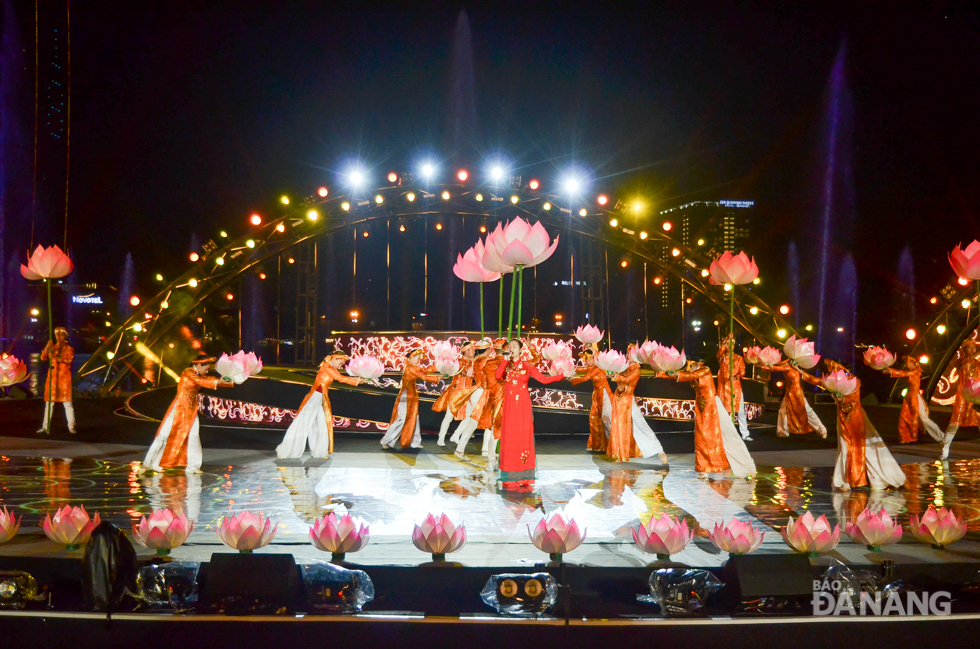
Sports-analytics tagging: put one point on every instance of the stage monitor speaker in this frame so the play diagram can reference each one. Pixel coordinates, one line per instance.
(770, 575)
(269, 579)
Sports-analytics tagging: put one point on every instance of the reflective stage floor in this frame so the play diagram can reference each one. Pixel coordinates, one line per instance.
(391, 491)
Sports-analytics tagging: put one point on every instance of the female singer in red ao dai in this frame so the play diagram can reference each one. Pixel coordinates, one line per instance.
(517, 460)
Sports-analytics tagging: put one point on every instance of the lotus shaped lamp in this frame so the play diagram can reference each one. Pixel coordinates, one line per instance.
(443, 349)
(733, 269)
(469, 265)
(938, 528)
(238, 367)
(966, 263)
(518, 244)
(9, 524)
(12, 370)
(438, 536)
(70, 526)
(736, 537)
(556, 349)
(643, 353)
(663, 536)
(589, 334)
(47, 263)
(365, 367)
(447, 366)
(811, 535)
(562, 366)
(874, 530)
(339, 535)
(556, 535)
(752, 355)
(162, 531)
(611, 361)
(840, 383)
(878, 358)
(246, 531)
(801, 352)
(971, 390)
(667, 359)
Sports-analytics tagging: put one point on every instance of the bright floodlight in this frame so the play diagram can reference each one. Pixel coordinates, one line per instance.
(356, 178)
(497, 174)
(572, 185)
(428, 170)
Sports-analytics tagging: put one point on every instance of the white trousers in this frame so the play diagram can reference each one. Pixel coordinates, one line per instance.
(393, 436)
(69, 413)
(738, 455)
(468, 426)
(195, 454)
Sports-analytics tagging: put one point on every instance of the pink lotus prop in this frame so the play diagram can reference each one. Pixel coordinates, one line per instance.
(966, 263)
(9, 524)
(874, 530)
(971, 390)
(840, 383)
(767, 356)
(365, 367)
(438, 536)
(733, 269)
(611, 361)
(642, 353)
(447, 366)
(938, 528)
(878, 358)
(801, 352)
(70, 526)
(246, 531)
(162, 531)
(811, 535)
(663, 536)
(443, 349)
(469, 265)
(518, 245)
(47, 263)
(339, 535)
(752, 355)
(589, 334)
(563, 366)
(667, 359)
(556, 349)
(12, 370)
(556, 535)
(736, 537)
(238, 367)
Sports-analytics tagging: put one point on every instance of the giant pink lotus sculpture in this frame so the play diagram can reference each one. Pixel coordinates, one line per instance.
(470, 267)
(663, 536)
(801, 352)
(47, 263)
(339, 535)
(365, 367)
(966, 263)
(12, 370)
(556, 535)
(840, 383)
(611, 361)
(9, 524)
(938, 528)
(70, 526)
(736, 537)
(811, 535)
(246, 531)
(589, 334)
(874, 530)
(438, 536)
(733, 269)
(878, 358)
(162, 531)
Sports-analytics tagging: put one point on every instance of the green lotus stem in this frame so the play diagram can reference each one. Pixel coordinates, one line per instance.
(481, 310)
(48, 405)
(520, 297)
(731, 355)
(500, 309)
(510, 318)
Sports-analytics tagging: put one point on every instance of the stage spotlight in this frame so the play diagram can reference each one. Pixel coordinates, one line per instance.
(462, 175)
(613, 222)
(312, 215)
(479, 198)
(379, 199)
(624, 263)
(159, 277)
(780, 333)
(322, 192)
(667, 226)
(700, 242)
(547, 207)
(962, 281)
(428, 170)
(392, 177)
(220, 261)
(255, 219)
(438, 226)
(840, 330)
(933, 300)
(110, 355)
(366, 234)
(355, 178)
(229, 296)
(534, 184)
(35, 312)
(572, 185)
(483, 229)
(223, 234)
(134, 301)
(282, 226)
(657, 280)
(514, 199)
(262, 275)
(689, 300)
(192, 283)
(250, 243)
(137, 327)
(727, 287)
(784, 309)
(200, 320)
(940, 329)
(965, 304)
(705, 272)
(910, 334)
(809, 327)
(445, 196)
(717, 323)
(171, 345)
(583, 212)
(401, 228)
(779, 384)
(644, 235)
(410, 197)
(757, 281)
(675, 252)
(284, 199)
(924, 359)
(497, 174)
(291, 260)
(602, 199)
(754, 310)
(637, 206)
(194, 256)
(345, 206)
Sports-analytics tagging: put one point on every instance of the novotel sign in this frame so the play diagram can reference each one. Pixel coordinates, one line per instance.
(86, 299)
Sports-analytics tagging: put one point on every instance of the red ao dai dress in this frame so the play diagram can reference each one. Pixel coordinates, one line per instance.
(517, 459)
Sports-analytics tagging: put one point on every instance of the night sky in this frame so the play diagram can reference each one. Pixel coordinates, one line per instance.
(188, 115)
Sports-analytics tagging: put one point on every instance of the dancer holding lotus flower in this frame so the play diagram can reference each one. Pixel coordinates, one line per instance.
(795, 414)
(517, 459)
(470, 403)
(57, 385)
(630, 435)
(731, 369)
(404, 428)
(453, 399)
(314, 422)
(178, 439)
(600, 415)
(964, 413)
(915, 412)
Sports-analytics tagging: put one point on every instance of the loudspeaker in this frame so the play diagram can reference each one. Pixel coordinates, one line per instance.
(768, 575)
(247, 580)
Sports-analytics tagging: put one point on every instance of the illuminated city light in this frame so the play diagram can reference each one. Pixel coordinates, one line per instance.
(657, 280)
(192, 283)
(940, 329)
(754, 310)
(392, 177)
(514, 199)
(134, 301)
(445, 195)
(479, 198)
(613, 222)
(728, 287)
(159, 277)
(255, 219)
(962, 281)
(250, 243)
(757, 281)
(497, 174)
(705, 272)
(284, 199)
(462, 175)
(355, 178)
(35, 312)
(411, 197)
(675, 252)
(624, 263)
(312, 215)
(428, 170)
(223, 234)
(220, 261)
(546, 206)
(933, 300)
(534, 184)
(784, 309)
(809, 327)
(281, 227)
(781, 333)
(602, 199)
(110, 355)
(689, 300)
(644, 235)
(924, 359)
(194, 256)
(291, 260)
(323, 191)
(483, 229)
(366, 234)
(840, 330)
(583, 212)
(262, 275)
(667, 226)
(137, 327)
(965, 304)
(401, 228)
(229, 296)
(700, 242)
(379, 199)
(438, 226)
(910, 334)
(345, 206)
